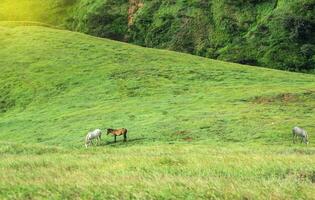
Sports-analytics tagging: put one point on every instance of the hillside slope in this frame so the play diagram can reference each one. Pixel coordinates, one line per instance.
(272, 33)
(56, 85)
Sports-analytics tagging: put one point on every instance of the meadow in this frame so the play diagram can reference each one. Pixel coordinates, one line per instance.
(198, 128)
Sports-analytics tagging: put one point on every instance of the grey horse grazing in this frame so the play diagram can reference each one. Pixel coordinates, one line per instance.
(96, 134)
(299, 132)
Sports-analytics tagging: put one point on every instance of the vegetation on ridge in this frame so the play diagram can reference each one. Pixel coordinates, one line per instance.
(273, 33)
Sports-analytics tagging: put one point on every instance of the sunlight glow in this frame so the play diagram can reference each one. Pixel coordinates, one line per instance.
(27, 10)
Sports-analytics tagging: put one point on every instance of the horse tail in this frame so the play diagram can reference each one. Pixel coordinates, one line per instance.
(125, 134)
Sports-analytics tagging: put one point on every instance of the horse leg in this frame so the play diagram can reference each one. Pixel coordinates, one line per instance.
(125, 137)
(115, 138)
(87, 143)
(304, 140)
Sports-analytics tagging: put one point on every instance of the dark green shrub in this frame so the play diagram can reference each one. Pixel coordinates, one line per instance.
(300, 29)
(102, 18)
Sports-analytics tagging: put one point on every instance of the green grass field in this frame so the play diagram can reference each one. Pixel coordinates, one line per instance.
(198, 128)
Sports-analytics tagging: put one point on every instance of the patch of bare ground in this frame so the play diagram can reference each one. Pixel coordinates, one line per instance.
(285, 98)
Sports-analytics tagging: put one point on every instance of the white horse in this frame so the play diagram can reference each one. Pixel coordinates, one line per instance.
(96, 134)
(299, 132)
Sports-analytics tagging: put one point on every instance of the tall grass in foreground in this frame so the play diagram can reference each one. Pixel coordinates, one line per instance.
(157, 172)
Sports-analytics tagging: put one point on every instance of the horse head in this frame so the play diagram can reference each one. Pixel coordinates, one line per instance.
(109, 130)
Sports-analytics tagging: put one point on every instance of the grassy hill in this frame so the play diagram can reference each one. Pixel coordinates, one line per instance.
(271, 33)
(198, 128)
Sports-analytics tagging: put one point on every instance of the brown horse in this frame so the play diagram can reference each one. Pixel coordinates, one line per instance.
(118, 132)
